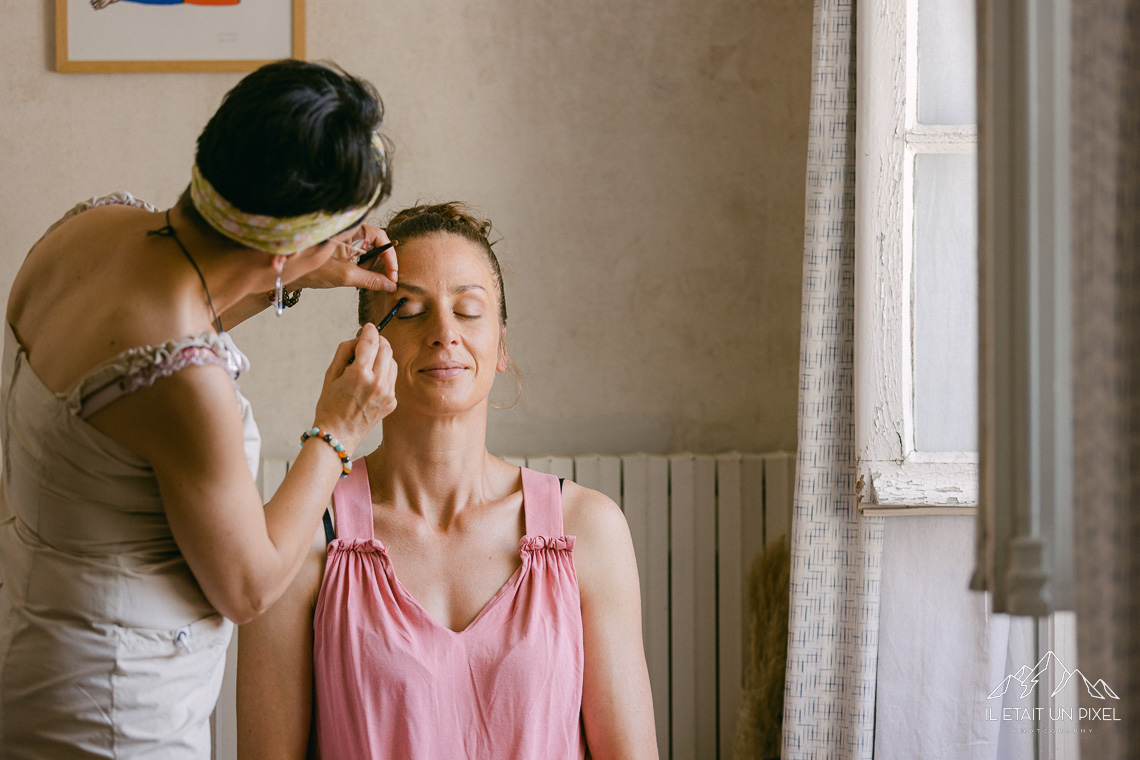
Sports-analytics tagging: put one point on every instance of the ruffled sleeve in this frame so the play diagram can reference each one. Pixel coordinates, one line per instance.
(140, 367)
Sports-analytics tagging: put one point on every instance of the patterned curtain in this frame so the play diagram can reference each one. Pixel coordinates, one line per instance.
(1106, 518)
(829, 695)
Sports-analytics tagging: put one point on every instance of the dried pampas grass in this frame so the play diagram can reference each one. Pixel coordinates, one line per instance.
(762, 699)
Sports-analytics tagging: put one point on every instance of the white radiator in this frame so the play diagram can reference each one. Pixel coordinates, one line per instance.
(696, 521)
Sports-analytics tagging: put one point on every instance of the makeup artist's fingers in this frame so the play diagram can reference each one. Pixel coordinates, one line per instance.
(383, 261)
(367, 344)
(363, 237)
(383, 361)
(340, 273)
(369, 280)
(356, 396)
(341, 360)
(388, 265)
(372, 237)
(384, 374)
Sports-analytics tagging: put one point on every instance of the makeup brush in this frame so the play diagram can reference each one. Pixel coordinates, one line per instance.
(366, 256)
(387, 318)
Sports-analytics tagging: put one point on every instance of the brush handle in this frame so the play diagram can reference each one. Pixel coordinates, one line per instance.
(373, 253)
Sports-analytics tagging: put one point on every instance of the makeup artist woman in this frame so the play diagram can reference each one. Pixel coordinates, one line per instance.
(129, 518)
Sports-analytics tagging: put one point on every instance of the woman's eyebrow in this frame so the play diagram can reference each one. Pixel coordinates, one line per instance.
(417, 290)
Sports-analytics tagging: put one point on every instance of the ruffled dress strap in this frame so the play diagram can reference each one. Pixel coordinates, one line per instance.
(140, 367)
(542, 505)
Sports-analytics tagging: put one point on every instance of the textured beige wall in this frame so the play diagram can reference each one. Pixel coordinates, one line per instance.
(643, 161)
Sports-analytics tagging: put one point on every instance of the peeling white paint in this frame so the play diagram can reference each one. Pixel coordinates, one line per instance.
(921, 483)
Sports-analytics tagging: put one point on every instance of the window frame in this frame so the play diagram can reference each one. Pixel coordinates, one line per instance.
(1026, 318)
(894, 477)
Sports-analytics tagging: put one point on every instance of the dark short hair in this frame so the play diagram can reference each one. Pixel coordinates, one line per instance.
(295, 138)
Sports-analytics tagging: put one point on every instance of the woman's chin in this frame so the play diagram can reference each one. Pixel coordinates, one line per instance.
(442, 402)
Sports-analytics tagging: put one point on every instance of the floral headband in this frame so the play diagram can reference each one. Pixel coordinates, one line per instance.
(277, 235)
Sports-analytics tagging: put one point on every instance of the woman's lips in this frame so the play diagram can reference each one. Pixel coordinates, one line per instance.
(443, 371)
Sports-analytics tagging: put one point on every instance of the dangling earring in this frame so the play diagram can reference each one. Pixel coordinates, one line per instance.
(279, 296)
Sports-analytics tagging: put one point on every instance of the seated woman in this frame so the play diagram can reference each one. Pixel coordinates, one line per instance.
(466, 608)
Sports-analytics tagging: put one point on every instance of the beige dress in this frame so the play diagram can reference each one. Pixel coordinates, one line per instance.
(108, 647)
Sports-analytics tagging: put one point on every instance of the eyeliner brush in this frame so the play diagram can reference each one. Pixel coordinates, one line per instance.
(388, 317)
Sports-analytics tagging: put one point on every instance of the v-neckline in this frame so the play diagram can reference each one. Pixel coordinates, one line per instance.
(390, 567)
(508, 586)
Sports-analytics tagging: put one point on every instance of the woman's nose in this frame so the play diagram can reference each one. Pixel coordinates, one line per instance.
(444, 330)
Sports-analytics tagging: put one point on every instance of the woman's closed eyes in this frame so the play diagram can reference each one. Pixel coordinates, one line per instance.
(470, 301)
(459, 314)
(468, 306)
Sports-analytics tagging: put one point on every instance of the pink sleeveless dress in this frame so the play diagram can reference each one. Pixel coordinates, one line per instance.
(392, 682)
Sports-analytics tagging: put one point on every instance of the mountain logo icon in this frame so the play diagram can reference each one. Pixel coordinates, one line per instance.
(1028, 677)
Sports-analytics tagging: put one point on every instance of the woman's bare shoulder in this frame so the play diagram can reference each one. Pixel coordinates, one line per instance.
(72, 247)
(96, 286)
(595, 520)
(300, 599)
(108, 220)
(603, 549)
(97, 246)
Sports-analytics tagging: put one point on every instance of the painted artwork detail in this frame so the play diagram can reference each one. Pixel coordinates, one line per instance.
(176, 35)
(100, 4)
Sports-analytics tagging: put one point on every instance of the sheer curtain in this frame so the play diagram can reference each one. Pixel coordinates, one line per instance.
(829, 698)
(1106, 201)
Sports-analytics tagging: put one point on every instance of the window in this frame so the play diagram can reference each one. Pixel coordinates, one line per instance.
(917, 257)
(938, 350)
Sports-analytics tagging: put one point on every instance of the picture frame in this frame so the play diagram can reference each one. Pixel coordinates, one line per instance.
(176, 35)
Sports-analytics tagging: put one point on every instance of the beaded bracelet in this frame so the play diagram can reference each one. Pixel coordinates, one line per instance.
(289, 297)
(345, 465)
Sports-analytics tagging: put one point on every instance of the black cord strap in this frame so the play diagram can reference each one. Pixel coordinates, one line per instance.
(168, 232)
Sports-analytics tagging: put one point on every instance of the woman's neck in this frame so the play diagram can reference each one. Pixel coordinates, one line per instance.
(435, 467)
(231, 272)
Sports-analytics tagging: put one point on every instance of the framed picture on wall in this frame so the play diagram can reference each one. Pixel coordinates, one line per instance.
(176, 35)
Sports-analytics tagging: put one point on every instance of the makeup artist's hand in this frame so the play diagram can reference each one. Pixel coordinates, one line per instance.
(359, 388)
(379, 273)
